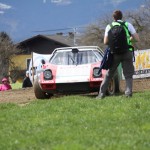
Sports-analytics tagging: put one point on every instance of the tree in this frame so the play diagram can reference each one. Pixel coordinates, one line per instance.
(140, 19)
(7, 51)
(94, 33)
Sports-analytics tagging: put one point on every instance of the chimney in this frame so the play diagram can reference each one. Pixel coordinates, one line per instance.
(59, 33)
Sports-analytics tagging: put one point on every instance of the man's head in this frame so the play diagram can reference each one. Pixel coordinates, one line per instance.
(27, 73)
(117, 15)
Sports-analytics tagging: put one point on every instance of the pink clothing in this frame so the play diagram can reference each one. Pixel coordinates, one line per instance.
(5, 87)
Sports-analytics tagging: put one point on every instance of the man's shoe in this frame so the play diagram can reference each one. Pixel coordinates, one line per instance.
(101, 96)
(128, 96)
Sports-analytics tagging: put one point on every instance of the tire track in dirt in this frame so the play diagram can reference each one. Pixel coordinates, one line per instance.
(21, 96)
(24, 96)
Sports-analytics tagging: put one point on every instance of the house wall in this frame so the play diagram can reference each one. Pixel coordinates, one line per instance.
(21, 61)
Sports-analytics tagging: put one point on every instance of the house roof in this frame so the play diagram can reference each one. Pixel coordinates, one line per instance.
(57, 38)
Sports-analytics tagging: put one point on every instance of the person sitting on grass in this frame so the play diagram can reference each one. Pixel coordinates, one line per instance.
(5, 85)
(26, 82)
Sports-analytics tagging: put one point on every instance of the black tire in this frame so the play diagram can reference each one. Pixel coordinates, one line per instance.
(111, 87)
(39, 94)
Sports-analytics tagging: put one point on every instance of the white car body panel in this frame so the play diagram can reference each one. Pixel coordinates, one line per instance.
(69, 74)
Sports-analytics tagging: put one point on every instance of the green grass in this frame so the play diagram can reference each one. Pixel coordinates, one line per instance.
(17, 85)
(77, 123)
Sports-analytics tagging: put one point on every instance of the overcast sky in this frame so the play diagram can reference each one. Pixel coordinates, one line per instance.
(21, 18)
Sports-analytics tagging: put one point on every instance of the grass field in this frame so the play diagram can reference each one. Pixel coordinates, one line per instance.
(77, 123)
(16, 85)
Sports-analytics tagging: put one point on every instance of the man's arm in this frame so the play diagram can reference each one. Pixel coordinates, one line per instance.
(106, 35)
(106, 40)
(135, 38)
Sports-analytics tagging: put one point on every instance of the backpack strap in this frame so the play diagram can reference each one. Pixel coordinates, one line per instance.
(123, 24)
(110, 25)
(130, 46)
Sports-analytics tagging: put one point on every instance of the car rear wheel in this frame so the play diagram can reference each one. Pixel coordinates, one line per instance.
(111, 87)
(39, 94)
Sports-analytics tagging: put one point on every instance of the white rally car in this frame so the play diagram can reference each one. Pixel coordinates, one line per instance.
(71, 70)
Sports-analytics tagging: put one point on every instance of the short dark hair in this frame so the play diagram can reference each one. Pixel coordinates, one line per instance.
(117, 15)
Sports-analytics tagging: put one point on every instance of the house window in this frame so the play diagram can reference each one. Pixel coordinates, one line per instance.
(28, 63)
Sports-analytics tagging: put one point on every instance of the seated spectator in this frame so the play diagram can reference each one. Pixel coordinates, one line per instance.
(26, 81)
(5, 85)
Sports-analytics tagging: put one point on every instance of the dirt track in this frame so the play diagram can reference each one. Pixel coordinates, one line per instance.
(24, 96)
(21, 96)
(139, 85)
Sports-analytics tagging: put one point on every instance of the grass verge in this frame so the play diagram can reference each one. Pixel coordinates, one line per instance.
(77, 123)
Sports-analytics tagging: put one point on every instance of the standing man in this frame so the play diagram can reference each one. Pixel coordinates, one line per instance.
(120, 55)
